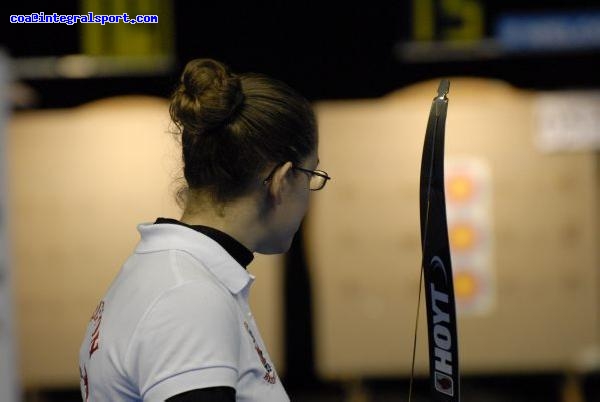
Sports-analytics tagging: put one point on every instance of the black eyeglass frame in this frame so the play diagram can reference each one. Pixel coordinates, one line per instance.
(320, 173)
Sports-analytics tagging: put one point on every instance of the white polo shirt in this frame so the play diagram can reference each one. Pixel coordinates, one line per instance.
(176, 318)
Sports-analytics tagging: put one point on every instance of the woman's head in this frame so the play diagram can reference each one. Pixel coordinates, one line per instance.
(233, 127)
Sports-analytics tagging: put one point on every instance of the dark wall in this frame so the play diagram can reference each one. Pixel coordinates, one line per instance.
(325, 52)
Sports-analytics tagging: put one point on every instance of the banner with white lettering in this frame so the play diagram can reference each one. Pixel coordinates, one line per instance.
(567, 121)
(8, 377)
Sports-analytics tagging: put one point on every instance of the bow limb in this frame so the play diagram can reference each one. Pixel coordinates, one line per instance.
(436, 267)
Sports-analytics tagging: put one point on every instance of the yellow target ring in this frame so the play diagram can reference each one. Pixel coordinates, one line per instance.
(465, 285)
(460, 188)
(462, 237)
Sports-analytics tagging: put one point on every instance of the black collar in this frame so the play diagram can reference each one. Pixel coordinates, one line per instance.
(236, 249)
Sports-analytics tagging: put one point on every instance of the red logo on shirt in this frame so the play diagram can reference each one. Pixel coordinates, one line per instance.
(85, 388)
(96, 319)
(269, 376)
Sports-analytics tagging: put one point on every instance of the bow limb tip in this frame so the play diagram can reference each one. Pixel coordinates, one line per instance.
(444, 88)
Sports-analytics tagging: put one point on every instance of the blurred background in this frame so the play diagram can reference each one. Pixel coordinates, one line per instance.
(86, 153)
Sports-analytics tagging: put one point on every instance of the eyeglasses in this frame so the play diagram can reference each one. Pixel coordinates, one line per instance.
(318, 178)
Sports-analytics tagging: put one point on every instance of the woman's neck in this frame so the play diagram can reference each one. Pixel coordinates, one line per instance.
(233, 219)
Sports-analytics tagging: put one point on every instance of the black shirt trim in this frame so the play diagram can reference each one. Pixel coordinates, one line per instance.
(213, 394)
(236, 249)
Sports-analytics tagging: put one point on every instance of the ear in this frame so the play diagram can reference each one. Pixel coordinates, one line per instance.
(278, 183)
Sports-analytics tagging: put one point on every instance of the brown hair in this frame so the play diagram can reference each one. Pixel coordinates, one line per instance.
(233, 126)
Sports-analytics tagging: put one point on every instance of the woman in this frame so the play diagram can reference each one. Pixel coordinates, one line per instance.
(175, 324)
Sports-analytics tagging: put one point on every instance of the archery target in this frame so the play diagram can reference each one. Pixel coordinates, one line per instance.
(468, 204)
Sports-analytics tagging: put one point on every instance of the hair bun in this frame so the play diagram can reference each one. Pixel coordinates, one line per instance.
(207, 97)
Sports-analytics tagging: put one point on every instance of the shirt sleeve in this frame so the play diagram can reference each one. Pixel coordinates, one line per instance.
(216, 394)
(188, 339)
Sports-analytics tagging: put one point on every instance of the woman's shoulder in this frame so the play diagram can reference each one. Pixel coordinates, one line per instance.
(170, 283)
